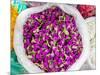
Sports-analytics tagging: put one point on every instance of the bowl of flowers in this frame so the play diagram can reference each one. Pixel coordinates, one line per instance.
(51, 38)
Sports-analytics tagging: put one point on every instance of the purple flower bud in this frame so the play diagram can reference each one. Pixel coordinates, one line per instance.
(51, 37)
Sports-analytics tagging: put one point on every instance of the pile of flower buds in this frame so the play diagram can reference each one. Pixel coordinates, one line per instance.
(51, 40)
(87, 10)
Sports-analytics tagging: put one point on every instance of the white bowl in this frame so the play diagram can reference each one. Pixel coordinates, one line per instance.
(18, 36)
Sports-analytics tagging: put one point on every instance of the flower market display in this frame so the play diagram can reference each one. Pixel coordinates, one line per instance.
(52, 37)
